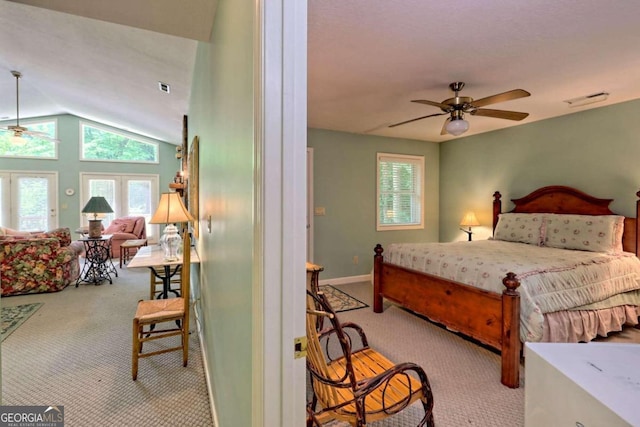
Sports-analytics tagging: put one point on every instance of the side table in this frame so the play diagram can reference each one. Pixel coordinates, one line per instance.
(98, 265)
(126, 246)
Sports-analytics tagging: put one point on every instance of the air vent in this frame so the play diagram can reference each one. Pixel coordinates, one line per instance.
(588, 99)
(164, 87)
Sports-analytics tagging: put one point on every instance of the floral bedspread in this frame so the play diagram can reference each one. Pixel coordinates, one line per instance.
(550, 279)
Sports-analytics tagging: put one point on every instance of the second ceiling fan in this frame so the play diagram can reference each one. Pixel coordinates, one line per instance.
(457, 106)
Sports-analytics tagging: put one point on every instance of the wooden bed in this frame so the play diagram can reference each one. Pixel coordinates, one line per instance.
(488, 317)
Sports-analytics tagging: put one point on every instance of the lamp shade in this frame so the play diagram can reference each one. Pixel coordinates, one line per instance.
(469, 220)
(457, 126)
(171, 210)
(96, 205)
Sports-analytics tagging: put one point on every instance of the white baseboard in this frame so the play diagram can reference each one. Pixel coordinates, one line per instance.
(205, 364)
(345, 280)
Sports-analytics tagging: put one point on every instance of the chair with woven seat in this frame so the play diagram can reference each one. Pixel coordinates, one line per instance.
(155, 282)
(357, 386)
(174, 311)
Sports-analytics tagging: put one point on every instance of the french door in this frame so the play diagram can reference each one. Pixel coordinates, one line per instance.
(128, 195)
(28, 200)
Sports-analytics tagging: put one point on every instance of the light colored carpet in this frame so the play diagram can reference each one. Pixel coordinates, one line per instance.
(75, 351)
(14, 316)
(465, 377)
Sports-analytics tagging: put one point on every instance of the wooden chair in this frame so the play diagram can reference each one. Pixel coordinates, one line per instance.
(156, 311)
(313, 277)
(356, 386)
(155, 282)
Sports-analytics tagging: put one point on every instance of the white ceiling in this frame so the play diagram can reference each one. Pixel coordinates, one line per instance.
(367, 59)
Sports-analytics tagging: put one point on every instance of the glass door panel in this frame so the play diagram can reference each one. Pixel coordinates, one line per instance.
(28, 200)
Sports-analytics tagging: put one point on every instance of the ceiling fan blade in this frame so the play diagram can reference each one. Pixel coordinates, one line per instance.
(500, 97)
(433, 103)
(20, 130)
(444, 127)
(499, 114)
(413, 120)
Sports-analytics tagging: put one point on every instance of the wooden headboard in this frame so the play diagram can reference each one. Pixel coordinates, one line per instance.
(559, 199)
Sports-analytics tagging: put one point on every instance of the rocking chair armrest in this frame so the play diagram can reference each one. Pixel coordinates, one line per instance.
(326, 333)
(367, 385)
(359, 330)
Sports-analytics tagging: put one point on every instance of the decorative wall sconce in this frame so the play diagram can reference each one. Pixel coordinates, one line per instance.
(178, 152)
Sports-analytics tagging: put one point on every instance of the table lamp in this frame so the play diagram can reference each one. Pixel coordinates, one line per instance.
(469, 220)
(171, 210)
(96, 205)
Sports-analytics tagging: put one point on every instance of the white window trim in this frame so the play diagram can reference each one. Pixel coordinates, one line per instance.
(399, 158)
(30, 122)
(134, 136)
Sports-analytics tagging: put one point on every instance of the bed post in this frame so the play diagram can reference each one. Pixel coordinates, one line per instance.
(377, 277)
(497, 208)
(511, 345)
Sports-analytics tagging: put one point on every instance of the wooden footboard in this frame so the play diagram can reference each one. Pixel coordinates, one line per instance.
(490, 318)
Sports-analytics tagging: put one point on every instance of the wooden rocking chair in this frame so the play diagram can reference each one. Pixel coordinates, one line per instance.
(357, 386)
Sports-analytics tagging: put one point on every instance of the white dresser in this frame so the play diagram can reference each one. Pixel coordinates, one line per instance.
(582, 385)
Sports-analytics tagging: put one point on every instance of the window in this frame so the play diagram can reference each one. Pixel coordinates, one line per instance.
(100, 144)
(34, 147)
(400, 192)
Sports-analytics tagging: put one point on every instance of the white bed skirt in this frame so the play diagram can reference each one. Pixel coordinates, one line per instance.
(585, 325)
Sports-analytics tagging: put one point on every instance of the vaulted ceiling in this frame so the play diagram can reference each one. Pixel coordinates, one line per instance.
(103, 60)
(366, 60)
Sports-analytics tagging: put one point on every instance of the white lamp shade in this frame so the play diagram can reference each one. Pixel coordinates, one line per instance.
(171, 210)
(457, 126)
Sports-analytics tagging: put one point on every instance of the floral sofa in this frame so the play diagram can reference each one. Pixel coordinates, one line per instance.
(36, 263)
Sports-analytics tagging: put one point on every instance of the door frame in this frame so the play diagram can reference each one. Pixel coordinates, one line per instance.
(310, 210)
(280, 134)
(153, 230)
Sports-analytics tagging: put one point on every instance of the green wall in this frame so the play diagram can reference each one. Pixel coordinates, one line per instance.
(69, 166)
(344, 177)
(595, 151)
(221, 115)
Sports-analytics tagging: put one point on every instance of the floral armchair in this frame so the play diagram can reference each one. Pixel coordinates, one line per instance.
(41, 262)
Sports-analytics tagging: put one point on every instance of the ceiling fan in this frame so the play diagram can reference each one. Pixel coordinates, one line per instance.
(457, 106)
(20, 131)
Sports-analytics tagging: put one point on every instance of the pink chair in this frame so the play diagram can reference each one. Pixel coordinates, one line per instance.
(125, 228)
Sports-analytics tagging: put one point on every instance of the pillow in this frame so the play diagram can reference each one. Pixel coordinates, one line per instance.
(594, 233)
(121, 225)
(4, 231)
(115, 228)
(63, 234)
(520, 227)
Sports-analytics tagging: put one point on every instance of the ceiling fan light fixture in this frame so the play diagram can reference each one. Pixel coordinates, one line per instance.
(18, 139)
(457, 126)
